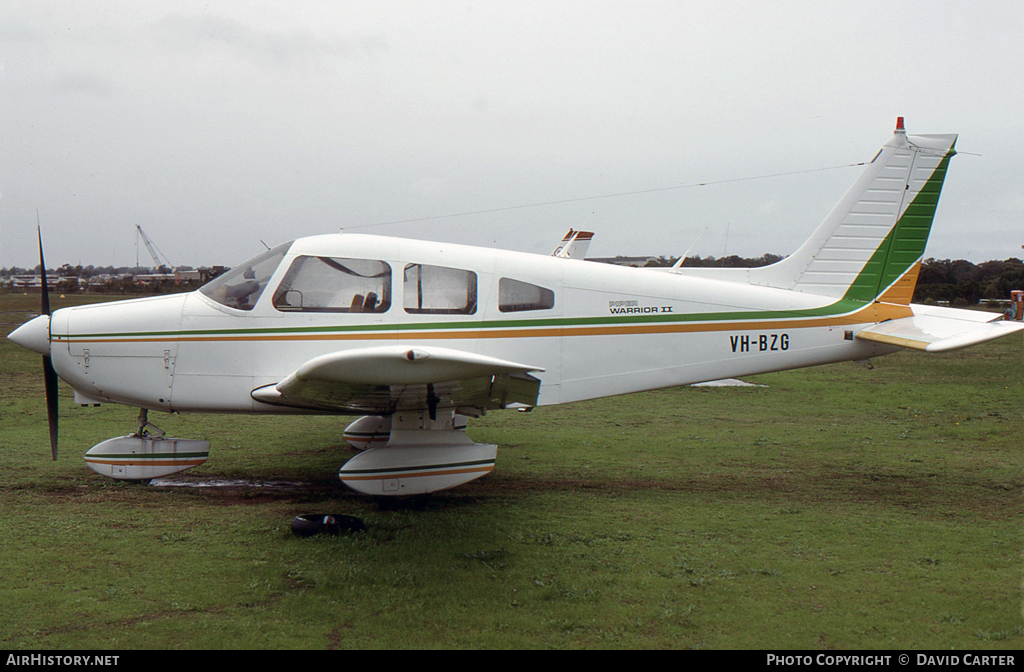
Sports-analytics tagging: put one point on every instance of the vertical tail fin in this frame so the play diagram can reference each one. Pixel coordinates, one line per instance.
(871, 244)
(574, 245)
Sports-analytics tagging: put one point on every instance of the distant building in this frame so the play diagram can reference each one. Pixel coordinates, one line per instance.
(188, 276)
(35, 281)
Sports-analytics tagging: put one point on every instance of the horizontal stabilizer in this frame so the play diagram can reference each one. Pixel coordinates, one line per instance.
(934, 329)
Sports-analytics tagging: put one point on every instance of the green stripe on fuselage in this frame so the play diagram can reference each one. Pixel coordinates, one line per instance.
(841, 307)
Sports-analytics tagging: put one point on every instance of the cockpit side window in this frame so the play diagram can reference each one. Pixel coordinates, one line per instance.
(515, 296)
(241, 287)
(335, 285)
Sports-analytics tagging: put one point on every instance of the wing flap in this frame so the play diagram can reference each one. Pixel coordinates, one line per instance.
(389, 379)
(935, 329)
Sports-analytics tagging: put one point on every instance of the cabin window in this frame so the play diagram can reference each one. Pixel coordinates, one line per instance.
(335, 285)
(242, 286)
(439, 290)
(515, 296)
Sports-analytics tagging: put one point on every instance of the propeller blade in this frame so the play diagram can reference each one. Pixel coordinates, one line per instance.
(50, 379)
(42, 273)
(49, 374)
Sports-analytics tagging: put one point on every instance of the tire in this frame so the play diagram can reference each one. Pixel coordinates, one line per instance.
(311, 524)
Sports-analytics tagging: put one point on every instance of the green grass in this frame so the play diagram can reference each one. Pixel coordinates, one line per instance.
(835, 507)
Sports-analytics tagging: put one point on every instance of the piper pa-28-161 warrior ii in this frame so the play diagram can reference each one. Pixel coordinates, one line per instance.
(415, 336)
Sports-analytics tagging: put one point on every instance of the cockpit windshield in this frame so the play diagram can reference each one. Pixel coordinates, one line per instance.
(242, 286)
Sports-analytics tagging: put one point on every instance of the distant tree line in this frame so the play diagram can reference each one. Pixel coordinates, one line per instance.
(78, 271)
(958, 283)
(118, 279)
(962, 283)
(731, 261)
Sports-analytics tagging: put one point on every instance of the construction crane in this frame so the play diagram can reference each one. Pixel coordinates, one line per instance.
(153, 251)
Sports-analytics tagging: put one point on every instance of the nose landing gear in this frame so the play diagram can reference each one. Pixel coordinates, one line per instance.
(146, 454)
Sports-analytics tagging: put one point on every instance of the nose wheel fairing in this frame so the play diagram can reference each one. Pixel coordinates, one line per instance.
(146, 454)
(137, 458)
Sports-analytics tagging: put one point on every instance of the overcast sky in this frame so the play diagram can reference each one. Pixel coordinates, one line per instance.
(215, 125)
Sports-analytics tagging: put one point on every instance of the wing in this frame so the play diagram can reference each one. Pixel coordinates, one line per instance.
(935, 329)
(389, 379)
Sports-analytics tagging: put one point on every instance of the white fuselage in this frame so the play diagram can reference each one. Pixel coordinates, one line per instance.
(608, 329)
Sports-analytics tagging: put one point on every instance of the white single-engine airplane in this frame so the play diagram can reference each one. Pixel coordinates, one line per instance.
(417, 335)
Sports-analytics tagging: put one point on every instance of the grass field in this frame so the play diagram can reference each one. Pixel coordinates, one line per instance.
(835, 507)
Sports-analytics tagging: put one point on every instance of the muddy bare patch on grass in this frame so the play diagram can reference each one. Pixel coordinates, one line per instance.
(928, 495)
